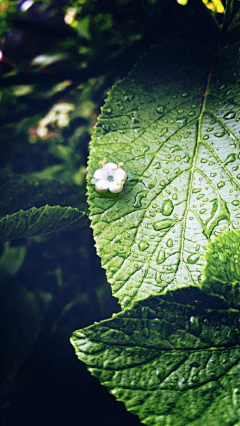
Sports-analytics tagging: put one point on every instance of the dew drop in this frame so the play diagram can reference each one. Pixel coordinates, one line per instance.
(170, 242)
(143, 245)
(163, 131)
(162, 224)
(160, 109)
(138, 199)
(219, 134)
(182, 120)
(123, 252)
(166, 171)
(159, 373)
(129, 97)
(158, 277)
(176, 148)
(167, 207)
(235, 202)
(229, 115)
(185, 95)
(193, 258)
(161, 257)
(177, 158)
(194, 324)
(230, 159)
(205, 137)
(220, 184)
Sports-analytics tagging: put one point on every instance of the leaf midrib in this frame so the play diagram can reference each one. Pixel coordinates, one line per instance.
(195, 156)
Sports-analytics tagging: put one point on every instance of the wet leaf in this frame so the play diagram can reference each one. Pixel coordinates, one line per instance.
(174, 123)
(222, 271)
(172, 359)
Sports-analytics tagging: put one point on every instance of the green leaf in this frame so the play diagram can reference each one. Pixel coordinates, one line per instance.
(222, 271)
(172, 359)
(174, 123)
(45, 220)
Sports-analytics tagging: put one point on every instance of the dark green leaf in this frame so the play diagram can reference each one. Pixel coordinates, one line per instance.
(45, 220)
(172, 359)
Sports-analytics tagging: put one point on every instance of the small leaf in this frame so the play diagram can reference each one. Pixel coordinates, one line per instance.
(172, 359)
(222, 270)
(45, 220)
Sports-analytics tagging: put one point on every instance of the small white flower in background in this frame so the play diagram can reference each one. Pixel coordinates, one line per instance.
(110, 177)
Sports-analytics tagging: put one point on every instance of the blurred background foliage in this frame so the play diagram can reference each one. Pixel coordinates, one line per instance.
(58, 59)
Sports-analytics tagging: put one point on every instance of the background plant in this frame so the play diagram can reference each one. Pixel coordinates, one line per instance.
(52, 87)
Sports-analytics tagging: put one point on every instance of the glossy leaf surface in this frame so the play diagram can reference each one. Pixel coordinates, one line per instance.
(172, 359)
(174, 122)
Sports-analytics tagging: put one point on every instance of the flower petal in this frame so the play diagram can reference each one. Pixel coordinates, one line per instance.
(108, 167)
(93, 181)
(115, 187)
(102, 185)
(119, 175)
(100, 174)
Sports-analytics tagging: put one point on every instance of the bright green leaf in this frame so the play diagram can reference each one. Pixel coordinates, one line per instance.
(45, 220)
(172, 359)
(222, 271)
(174, 122)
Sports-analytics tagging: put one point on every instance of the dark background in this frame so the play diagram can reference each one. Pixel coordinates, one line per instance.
(52, 285)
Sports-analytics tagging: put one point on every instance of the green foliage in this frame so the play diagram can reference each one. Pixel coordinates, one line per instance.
(173, 122)
(44, 220)
(222, 270)
(173, 359)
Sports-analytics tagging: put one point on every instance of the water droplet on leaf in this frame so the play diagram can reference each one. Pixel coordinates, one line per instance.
(143, 245)
(167, 207)
(162, 224)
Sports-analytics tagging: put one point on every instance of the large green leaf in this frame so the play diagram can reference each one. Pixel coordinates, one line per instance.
(172, 359)
(174, 122)
(45, 220)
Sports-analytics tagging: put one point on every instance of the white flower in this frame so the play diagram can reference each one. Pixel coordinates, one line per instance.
(110, 177)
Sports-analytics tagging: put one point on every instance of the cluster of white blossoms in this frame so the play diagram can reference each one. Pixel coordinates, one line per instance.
(110, 177)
